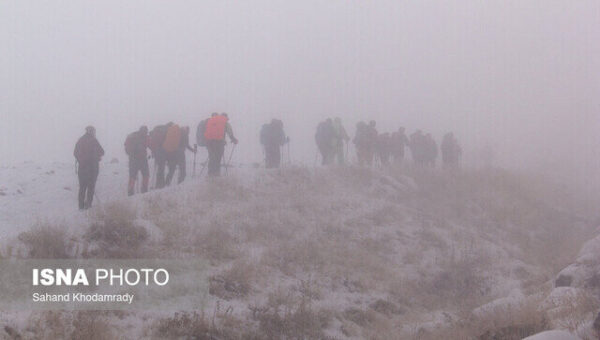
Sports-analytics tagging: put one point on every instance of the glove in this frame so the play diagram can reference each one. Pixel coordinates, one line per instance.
(234, 140)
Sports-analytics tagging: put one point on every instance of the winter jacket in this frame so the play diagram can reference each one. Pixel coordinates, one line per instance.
(88, 150)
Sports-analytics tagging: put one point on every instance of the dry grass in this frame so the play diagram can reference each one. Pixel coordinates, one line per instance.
(47, 242)
(510, 322)
(116, 234)
(198, 325)
(575, 311)
(287, 316)
(93, 325)
(217, 245)
(235, 282)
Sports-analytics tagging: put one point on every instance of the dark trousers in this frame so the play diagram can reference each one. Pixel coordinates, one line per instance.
(327, 154)
(88, 174)
(182, 165)
(365, 156)
(138, 164)
(215, 148)
(176, 160)
(161, 161)
(398, 156)
(272, 156)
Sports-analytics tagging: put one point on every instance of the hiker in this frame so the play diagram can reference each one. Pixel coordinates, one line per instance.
(417, 147)
(398, 143)
(431, 150)
(200, 130)
(360, 142)
(171, 146)
(384, 148)
(340, 140)
(325, 138)
(365, 142)
(451, 151)
(135, 148)
(272, 137)
(88, 153)
(217, 127)
(157, 139)
(178, 159)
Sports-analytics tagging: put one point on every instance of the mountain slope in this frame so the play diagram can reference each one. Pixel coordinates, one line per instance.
(340, 252)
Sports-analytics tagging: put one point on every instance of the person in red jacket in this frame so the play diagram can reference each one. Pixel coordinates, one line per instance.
(217, 127)
(88, 153)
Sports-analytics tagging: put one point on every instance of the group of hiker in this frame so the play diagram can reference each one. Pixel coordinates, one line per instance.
(331, 138)
(332, 141)
(168, 144)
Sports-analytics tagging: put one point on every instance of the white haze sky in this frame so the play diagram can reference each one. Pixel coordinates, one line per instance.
(523, 76)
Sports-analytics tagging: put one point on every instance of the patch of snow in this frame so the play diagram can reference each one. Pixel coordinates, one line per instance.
(553, 335)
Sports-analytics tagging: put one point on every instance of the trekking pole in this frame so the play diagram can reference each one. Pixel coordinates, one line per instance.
(346, 156)
(229, 161)
(194, 167)
(289, 158)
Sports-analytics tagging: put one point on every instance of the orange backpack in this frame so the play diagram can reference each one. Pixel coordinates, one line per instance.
(215, 128)
(172, 138)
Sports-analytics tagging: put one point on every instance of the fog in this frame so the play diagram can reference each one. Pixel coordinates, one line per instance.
(520, 76)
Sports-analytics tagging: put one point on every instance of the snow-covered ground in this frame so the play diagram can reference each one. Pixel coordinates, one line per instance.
(47, 193)
(339, 252)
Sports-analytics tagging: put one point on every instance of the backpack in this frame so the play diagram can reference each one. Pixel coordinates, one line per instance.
(157, 138)
(200, 139)
(264, 134)
(88, 149)
(323, 134)
(130, 144)
(215, 128)
(172, 138)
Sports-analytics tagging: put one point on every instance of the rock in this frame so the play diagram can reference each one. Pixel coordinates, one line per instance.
(593, 282)
(12, 332)
(553, 335)
(515, 332)
(563, 281)
(359, 317)
(596, 324)
(385, 307)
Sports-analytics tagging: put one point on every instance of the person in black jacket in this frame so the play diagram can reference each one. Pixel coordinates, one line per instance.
(136, 146)
(88, 153)
(178, 161)
(325, 138)
(272, 137)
